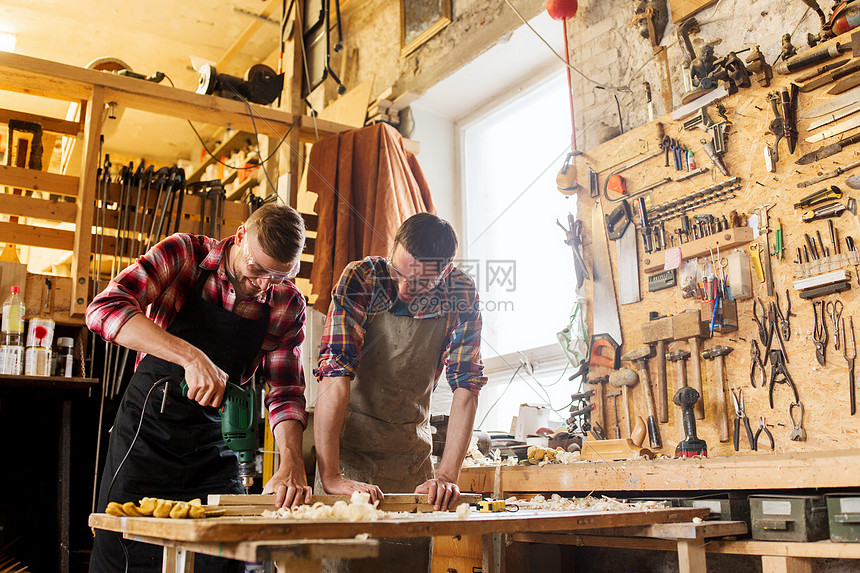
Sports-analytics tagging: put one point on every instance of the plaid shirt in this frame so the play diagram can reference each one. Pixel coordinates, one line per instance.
(161, 280)
(366, 288)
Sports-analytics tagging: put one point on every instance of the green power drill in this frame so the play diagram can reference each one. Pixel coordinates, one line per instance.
(238, 427)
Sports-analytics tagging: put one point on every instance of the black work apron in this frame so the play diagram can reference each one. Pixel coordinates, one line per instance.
(180, 453)
(386, 438)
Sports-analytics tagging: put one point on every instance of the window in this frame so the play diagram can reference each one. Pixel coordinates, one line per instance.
(513, 247)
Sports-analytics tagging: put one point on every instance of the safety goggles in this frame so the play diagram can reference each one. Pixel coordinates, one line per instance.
(418, 284)
(257, 271)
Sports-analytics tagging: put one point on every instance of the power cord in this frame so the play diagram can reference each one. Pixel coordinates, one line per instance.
(164, 381)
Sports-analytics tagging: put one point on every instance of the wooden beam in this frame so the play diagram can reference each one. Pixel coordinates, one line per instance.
(37, 236)
(22, 206)
(822, 469)
(86, 201)
(23, 178)
(773, 564)
(49, 124)
(246, 34)
(816, 550)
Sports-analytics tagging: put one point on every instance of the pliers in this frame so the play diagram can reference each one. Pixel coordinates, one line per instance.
(756, 363)
(834, 309)
(784, 324)
(740, 414)
(762, 426)
(819, 334)
(777, 368)
(762, 325)
(773, 332)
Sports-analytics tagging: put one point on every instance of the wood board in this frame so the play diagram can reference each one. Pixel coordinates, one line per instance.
(234, 529)
(683, 9)
(255, 503)
(823, 390)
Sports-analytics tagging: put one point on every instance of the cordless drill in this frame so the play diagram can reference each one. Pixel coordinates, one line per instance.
(686, 398)
(238, 427)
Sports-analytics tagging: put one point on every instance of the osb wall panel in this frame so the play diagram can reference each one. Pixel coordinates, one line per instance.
(823, 390)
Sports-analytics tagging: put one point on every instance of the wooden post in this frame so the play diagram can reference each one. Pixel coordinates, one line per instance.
(501, 554)
(293, 68)
(691, 555)
(85, 203)
(779, 564)
(176, 560)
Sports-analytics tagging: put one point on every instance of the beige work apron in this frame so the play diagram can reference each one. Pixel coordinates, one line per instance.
(386, 437)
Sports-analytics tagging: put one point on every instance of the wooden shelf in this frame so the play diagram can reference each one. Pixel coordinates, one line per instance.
(47, 382)
(826, 469)
(226, 146)
(236, 194)
(654, 262)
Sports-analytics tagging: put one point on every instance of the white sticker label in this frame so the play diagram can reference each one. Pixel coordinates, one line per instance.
(711, 504)
(673, 259)
(850, 504)
(772, 507)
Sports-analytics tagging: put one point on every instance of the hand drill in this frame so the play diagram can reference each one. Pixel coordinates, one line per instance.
(238, 427)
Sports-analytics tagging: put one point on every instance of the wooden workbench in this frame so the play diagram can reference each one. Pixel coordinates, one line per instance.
(258, 536)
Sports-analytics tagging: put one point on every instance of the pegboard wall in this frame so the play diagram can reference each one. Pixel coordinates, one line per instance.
(823, 390)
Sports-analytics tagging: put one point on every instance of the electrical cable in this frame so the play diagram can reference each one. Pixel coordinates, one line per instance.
(511, 381)
(557, 55)
(164, 380)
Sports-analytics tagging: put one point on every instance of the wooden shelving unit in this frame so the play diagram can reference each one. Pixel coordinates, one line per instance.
(47, 382)
(92, 88)
(756, 471)
(225, 147)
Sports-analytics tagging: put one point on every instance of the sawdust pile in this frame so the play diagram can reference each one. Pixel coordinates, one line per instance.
(603, 503)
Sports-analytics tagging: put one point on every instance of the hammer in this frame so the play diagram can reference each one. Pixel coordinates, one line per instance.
(641, 356)
(659, 331)
(719, 354)
(614, 396)
(625, 378)
(688, 325)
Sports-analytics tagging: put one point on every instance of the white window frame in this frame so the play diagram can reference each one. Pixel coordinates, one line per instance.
(549, 356)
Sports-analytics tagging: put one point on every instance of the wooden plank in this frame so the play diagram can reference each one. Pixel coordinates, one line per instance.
(86, 200)
(60, 298)
(49, 124)
(24, 178)
(773, 564)
(38, 236)
(49, 209)
(248, 33)
(823, 469)
(235, 529)
(728, 239)
(350, 108)
(392, 501)
(816, 550)
(683, 9)
(688, 530)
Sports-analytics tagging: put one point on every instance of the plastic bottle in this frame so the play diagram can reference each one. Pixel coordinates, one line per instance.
(12, 334)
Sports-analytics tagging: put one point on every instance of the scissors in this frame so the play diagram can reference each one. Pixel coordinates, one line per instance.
(834, 309)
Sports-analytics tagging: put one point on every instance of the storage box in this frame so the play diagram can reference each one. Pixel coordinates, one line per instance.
(788, 518)
(843, 511)
(723, 508)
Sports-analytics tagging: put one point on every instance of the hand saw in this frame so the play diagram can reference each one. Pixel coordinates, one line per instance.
(606, 330)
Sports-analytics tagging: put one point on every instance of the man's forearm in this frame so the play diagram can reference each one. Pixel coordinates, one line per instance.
(288, 437)
(143, 335)
(328, 423)
(460, 424)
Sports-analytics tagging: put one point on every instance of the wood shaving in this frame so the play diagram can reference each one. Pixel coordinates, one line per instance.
(359, 508)
(603, 503)
(463, 511)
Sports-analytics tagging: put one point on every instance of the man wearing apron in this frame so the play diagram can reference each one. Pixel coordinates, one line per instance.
(393, 325)
(216, 311)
